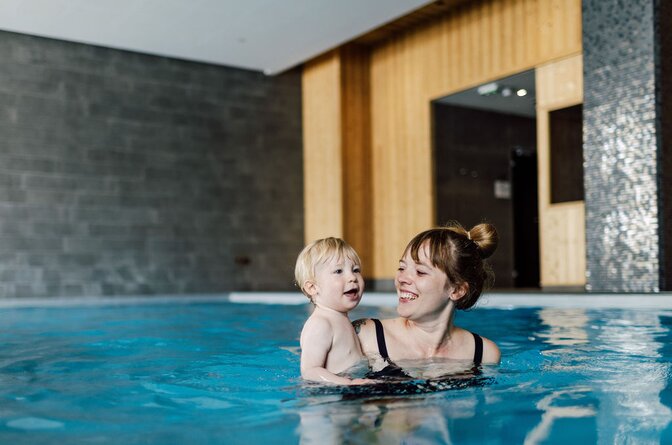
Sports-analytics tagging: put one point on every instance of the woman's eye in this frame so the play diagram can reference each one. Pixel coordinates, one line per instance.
(420, 272)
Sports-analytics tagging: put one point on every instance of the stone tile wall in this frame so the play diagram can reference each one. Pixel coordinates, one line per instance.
(124, 173)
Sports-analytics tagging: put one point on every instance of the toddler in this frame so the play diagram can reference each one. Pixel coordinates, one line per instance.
(328, 271)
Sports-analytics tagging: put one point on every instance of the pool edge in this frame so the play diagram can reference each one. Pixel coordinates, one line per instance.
(495, 300)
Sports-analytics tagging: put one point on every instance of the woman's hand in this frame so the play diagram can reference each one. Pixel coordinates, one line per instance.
(363, 382)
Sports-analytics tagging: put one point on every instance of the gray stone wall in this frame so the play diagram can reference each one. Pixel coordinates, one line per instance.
(624, 151)
(123, 173)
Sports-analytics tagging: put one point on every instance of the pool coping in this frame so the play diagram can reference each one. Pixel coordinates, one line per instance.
(497, 300)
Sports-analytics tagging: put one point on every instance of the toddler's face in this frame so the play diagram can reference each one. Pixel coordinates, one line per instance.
(339, 284)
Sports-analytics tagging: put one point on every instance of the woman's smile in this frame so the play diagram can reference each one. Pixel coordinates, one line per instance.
(406, 296)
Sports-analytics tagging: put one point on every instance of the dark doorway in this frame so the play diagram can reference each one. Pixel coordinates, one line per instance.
(486, 170)
(525, 217)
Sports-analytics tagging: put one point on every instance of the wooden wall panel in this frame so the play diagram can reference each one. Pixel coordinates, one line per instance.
(480, 41)
(561, 226)
(337, 153)
(356, 151)
(402, 172)
(322, 169)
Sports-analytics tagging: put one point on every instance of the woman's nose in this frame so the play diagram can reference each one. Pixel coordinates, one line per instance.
(402, 276)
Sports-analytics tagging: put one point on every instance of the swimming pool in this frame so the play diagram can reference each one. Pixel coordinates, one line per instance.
(227, 373)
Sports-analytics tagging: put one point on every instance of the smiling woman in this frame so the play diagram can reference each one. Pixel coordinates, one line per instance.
(441, 270)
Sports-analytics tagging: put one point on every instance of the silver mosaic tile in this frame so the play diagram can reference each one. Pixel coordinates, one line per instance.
(621, 147)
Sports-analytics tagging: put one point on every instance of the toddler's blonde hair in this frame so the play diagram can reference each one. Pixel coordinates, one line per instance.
(318, 252)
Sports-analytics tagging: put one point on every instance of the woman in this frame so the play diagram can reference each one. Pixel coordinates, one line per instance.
(442, 270)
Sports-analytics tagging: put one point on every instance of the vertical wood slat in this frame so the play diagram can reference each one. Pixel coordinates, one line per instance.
(356, 152)
(322, 169)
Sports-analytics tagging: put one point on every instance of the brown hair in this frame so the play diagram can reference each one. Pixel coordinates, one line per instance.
(460, 253)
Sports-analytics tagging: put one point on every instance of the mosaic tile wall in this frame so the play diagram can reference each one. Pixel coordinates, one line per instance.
(663, 25)
(625, 204)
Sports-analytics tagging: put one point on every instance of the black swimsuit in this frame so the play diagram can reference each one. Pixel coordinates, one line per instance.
(393, 370)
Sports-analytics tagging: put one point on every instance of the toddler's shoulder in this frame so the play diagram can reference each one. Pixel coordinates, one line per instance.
(317, 323)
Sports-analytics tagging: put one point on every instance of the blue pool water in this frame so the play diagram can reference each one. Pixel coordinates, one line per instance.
(225, 373)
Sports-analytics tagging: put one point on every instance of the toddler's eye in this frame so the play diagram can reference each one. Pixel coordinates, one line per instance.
(339, 271)
(356, 270)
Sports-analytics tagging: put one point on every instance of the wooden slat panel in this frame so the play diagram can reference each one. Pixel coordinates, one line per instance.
(356, 150)
(561, 226)
(322, 171)
(532, 51)
(408, 71)
(563, 253)
(479, 41)
(560, 84)
(507, 44)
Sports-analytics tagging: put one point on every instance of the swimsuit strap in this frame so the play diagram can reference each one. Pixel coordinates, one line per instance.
(380, 338)
(478, 350)
(382, 347)
(391, 371)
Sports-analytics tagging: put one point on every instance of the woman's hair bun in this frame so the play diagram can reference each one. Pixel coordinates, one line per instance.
(486, 238)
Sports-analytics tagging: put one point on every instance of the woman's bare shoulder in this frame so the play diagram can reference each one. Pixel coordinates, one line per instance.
(365, 330)
(367, 325)
(362, 323)
(491, 353)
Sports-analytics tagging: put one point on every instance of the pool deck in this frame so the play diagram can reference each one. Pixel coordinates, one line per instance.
(498, 300)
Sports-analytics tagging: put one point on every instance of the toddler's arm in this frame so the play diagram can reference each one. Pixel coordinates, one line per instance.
(316, 341)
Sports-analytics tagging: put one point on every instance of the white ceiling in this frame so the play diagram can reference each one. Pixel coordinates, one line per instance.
(265, 35)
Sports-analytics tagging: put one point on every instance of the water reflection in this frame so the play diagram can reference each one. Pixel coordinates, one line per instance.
(630, 408)
(382, 421)
(614, 358)
(566, 327)
(552, 412)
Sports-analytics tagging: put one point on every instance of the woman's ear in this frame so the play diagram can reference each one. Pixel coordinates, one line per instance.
(459, 291)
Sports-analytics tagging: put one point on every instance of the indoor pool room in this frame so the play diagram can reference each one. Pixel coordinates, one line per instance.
(335, 222)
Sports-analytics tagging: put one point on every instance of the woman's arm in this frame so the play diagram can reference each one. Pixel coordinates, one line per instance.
(491, 353)
(366, 332)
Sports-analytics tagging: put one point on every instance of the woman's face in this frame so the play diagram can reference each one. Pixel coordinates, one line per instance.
(422, 288)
